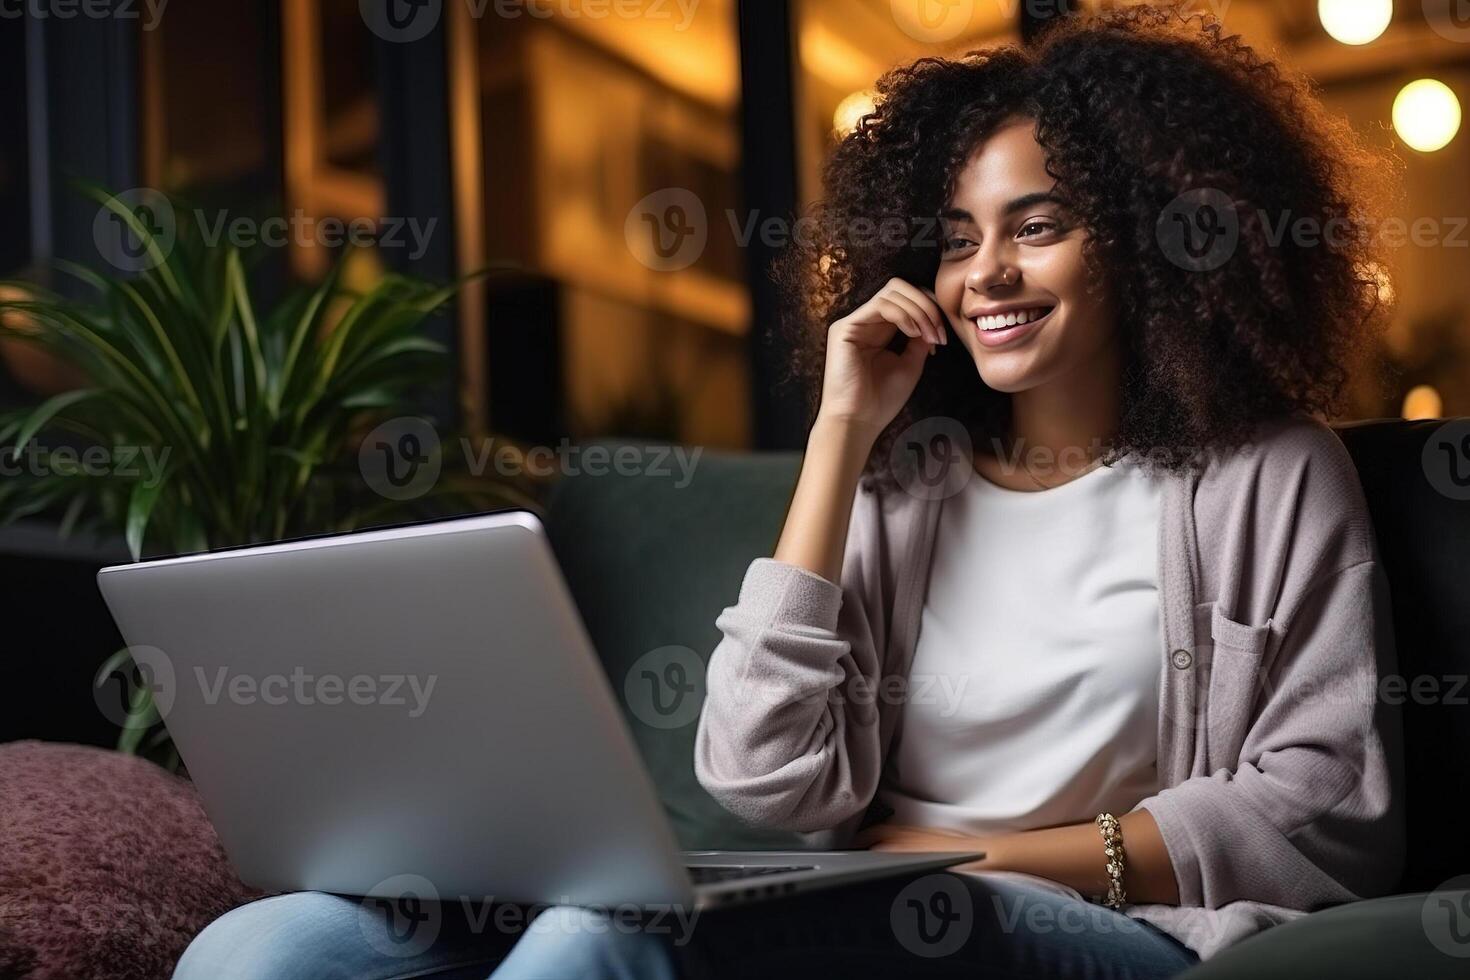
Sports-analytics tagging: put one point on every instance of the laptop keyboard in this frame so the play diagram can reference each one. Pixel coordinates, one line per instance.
(708, 874)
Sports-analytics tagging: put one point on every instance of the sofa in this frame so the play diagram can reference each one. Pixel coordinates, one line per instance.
(643, 584)
(652, 558)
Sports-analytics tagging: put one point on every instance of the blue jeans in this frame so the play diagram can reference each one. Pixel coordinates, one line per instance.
(931, 925)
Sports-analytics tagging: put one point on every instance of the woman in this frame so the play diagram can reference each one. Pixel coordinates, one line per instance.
(1069, 566)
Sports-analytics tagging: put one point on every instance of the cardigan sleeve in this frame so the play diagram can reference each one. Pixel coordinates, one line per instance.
(1309, 815)
(788, 735)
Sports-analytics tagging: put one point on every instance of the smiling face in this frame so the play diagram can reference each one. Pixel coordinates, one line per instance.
(1012, 276)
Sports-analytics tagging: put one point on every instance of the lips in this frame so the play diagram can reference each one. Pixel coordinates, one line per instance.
(1003, 328)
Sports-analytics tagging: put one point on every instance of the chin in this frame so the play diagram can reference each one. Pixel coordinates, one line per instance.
(1008, 380)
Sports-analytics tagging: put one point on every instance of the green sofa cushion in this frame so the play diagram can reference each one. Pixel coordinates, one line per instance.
(651, 559)
(1425, 936)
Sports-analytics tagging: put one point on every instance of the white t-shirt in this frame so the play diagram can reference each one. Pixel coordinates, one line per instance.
(1035, 683)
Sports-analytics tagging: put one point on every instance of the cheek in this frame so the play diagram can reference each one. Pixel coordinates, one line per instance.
(1089, 318)
(949, 287)
(1061, 271)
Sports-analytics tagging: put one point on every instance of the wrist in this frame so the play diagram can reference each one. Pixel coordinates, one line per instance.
(996, 853)
(844, 432)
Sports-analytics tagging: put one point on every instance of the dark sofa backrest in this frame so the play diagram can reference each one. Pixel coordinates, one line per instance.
(652, 557)
(1416, 477)
(652, 562)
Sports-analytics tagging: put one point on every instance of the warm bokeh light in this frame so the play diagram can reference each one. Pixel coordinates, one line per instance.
(851, 110)
(1355, 21)
(1426, 114)
(1423, 402)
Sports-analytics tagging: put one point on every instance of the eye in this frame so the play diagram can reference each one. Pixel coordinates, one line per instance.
(957, 243)
(1035, 227)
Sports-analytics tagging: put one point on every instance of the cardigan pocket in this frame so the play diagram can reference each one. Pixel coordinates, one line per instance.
(1237, 681)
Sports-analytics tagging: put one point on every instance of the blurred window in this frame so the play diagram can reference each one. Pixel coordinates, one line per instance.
(610, 146)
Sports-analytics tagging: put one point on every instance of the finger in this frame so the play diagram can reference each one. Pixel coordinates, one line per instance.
(918, 348)
(919, 307)
(895, 314)
(928, 306)
(895, 289)
(932, 331)
(925, 301)
(956, 324)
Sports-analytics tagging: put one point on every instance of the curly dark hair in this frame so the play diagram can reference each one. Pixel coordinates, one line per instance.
(1132, 108)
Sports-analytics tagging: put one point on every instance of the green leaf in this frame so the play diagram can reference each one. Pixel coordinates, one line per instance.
(140, 509)
(241, 292)
(255, 408)
(45, 412)
(72, 515)
(372, 398)
(143, 233)
(142, 712)
(170, 352)
(306, 325)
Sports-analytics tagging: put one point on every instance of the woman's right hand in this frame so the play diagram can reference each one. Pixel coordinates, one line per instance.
(863, 387)
(863, 384)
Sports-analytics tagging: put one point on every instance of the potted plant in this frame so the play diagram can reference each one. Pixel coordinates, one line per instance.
(239, 423)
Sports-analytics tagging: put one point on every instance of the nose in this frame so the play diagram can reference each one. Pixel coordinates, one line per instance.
(991, 268)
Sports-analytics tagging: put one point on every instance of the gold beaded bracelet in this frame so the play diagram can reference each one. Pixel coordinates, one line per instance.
(1112, 834)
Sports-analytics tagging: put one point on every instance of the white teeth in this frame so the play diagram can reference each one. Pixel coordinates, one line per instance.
(1002, 320)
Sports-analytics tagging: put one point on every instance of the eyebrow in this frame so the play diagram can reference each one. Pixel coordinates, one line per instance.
(1011, 207)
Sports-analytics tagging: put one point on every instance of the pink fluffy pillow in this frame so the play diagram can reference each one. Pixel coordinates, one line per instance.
(108, 865)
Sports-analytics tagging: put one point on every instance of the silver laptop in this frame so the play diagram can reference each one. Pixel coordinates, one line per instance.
(423, 704)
